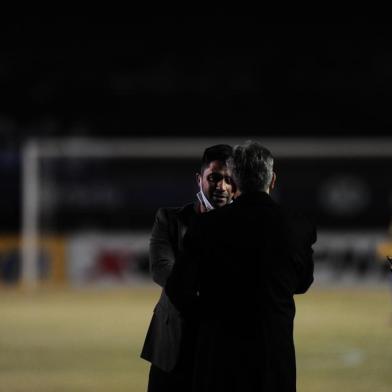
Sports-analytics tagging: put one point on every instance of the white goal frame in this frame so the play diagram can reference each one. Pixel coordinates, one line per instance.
(36, 149)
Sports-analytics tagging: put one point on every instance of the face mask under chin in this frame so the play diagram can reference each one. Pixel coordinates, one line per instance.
(203, 200)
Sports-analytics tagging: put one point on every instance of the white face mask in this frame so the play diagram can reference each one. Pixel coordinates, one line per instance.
(203, 199)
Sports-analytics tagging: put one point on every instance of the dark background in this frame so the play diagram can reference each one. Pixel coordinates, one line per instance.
(194, 76)
(189, 76)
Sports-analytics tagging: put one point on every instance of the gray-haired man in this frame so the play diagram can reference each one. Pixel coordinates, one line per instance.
(239, 283)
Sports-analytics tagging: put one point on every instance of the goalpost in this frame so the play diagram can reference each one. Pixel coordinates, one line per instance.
(35, 150)
(70, 148)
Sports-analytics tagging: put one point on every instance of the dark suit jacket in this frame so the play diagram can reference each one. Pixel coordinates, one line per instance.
(164, 337)
(241, 266)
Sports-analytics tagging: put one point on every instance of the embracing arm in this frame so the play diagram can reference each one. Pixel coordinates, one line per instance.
(162, 255)
(182, 285)
(304, 262)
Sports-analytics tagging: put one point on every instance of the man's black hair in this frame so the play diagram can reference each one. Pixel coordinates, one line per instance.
(219, 152)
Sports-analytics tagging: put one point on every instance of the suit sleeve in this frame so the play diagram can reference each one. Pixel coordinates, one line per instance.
(182, 285)
(162, 255)
(303, 260)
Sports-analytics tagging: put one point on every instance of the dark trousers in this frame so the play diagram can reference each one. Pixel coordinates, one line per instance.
(178, 380)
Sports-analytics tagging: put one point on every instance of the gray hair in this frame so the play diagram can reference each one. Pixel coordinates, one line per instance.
(251, 166)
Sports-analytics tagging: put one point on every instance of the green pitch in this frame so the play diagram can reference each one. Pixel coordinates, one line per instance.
(74, 341)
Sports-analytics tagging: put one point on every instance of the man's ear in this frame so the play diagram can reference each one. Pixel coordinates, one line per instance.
(198, 179)
(273, 181)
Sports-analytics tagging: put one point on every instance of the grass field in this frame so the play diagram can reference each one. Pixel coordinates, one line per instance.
(60, 340)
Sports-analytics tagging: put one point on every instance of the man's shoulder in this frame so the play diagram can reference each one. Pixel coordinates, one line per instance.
(173, 212)
(298, 221)
(216, 214)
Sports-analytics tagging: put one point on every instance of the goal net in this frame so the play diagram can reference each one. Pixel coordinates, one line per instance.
(89, 204)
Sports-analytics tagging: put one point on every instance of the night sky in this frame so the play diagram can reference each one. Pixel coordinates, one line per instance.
(196, 76)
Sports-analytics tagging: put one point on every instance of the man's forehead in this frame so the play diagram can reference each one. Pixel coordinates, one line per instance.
(216, 166)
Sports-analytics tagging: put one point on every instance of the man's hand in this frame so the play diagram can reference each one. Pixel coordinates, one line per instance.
(390, 261)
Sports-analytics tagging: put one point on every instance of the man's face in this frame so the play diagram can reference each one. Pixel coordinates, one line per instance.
(217, 184)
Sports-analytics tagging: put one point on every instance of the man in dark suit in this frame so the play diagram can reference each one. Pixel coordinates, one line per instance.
(240, 267)
(169, 342)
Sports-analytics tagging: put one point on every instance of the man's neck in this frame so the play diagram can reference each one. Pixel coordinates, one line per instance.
(200, 209)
